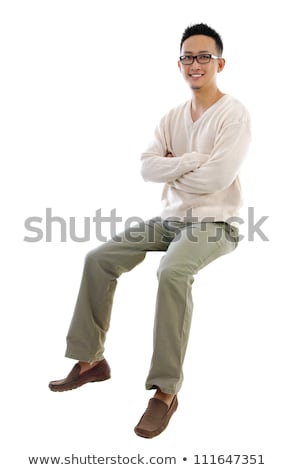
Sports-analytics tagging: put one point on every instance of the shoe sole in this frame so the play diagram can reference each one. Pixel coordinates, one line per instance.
(73, 386)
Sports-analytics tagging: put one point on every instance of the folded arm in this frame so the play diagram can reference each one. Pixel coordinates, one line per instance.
(158, 168)
(222, 166)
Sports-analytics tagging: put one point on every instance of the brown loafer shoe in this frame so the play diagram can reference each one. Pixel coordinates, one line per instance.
(97, 373)
(155, 418)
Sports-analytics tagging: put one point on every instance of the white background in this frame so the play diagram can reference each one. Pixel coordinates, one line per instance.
(83, 84)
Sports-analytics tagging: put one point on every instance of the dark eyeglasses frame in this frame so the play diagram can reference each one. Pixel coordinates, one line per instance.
(197, 58)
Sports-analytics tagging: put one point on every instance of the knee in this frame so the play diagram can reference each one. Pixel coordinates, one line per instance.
(168, 273)
(175, 273)
(94, 257)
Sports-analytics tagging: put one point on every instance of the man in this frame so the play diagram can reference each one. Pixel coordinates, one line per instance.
(197, 151)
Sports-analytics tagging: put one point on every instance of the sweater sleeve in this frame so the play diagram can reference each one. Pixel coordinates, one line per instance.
(158, 168)
(222, 166)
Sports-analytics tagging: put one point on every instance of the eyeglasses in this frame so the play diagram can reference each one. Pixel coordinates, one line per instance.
(200, 58)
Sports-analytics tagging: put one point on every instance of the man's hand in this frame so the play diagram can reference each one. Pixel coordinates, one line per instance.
(169, 155)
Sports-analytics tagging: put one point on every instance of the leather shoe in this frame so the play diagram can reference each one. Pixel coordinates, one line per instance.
(155, 418)
(97, 373)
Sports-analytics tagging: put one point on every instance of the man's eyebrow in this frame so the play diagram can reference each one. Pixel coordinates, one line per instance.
(199, 52)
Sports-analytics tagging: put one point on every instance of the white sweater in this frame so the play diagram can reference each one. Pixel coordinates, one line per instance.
(201, 180)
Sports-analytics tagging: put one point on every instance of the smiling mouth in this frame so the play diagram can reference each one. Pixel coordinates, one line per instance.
(195, 75)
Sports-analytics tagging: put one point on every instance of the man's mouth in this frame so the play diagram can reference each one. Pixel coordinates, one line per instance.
(195, 75)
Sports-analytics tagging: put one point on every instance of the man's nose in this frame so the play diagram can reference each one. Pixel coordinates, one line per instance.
(195, 64)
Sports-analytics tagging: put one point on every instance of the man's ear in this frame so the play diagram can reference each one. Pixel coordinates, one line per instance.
(179, 65)
(221, 65)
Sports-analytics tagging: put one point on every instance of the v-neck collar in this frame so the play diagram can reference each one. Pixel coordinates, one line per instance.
(211, 108)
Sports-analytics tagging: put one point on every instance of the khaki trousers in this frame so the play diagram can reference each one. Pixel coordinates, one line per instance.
(188, 247)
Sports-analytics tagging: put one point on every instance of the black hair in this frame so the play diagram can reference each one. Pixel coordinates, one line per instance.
(205, 30)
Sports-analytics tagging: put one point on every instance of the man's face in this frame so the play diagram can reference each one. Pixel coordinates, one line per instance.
(200, 75)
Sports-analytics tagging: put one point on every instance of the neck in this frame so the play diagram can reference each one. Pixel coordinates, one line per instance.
(202, 100)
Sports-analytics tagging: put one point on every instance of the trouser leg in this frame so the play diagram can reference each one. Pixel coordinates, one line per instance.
(187, 254)
(91, 319)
